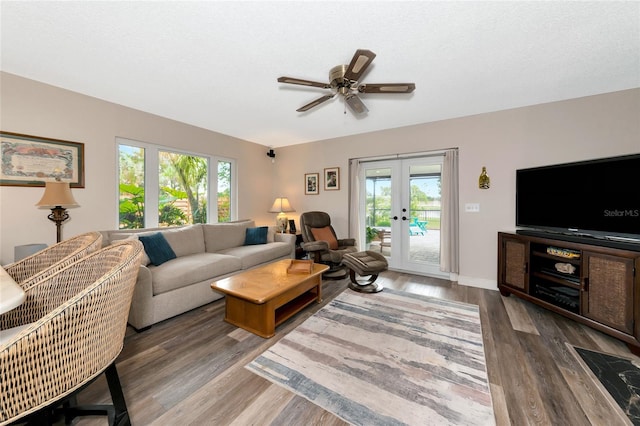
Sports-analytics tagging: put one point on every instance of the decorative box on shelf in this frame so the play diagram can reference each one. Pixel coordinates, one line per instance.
(560, 252)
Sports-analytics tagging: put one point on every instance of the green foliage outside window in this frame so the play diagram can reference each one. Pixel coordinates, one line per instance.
(131, 206)
(224, 191)
(182, 191)
(182, 178)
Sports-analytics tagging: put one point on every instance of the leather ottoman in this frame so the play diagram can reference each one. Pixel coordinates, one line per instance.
(365, 263)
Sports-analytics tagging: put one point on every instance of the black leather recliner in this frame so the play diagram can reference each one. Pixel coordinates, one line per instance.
(318, 236)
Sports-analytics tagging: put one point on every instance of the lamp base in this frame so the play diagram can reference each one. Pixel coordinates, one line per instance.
(58, 215)
(281, 222)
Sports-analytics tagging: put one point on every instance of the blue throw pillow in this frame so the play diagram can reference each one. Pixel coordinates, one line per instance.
(157, 248)
(256, 236)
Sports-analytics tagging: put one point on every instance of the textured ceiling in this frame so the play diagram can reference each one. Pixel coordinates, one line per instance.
(215, 64)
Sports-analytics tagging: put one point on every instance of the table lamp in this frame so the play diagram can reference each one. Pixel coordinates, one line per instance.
(281, 206)
(57, 197)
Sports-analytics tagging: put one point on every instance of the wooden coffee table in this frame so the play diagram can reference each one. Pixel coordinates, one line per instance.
(260, 299)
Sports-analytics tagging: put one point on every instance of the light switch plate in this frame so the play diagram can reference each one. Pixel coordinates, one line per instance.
(472, 207)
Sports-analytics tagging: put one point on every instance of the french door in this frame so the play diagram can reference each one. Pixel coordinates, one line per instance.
(401, 203)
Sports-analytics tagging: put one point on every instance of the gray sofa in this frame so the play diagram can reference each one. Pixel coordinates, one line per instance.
(204, 253)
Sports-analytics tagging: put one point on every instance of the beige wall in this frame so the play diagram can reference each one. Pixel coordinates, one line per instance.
(584, 128)
(37, 109)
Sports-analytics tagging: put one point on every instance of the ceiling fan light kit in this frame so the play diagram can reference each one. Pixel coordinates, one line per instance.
(343, 79)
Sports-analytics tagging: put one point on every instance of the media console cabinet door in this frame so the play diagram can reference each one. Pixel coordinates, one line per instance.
(514, 260)
(608, 295)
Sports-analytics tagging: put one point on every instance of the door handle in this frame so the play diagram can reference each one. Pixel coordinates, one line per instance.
(404, 218)
(395, 218)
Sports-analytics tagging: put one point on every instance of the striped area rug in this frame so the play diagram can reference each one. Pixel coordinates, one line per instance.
(389, 358)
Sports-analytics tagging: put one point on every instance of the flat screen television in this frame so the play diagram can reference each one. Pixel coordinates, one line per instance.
(596, 198)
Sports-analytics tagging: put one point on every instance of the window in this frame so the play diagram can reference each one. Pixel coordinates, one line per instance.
(177, 185)
(131, 184)
(224, 191)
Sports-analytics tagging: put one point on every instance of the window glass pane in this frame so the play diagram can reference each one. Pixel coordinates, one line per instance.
(131, 188)
(182, 192)
(224, 191)
(425, 198)
(378, 208)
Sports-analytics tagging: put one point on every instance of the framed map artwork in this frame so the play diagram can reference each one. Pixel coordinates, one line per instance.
(32, 160)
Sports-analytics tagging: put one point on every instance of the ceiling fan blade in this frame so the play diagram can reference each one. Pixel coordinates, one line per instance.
(315, 103)
(291, 80)
(355, 104)
(359, 63)
(387, 88)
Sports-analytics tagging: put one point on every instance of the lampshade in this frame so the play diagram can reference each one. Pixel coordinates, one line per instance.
(281, 205)
(57, 194)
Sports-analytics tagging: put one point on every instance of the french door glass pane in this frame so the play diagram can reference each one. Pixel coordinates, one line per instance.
(182, 192)
(131, 187)
(378, 207)
(424, 213)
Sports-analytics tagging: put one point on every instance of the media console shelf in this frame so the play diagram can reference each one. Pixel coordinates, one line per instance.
(594, 284)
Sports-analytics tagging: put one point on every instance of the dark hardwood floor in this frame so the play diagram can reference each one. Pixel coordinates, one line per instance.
(189, 370)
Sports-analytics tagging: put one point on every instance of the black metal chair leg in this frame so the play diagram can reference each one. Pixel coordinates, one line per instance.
(117, 413)
(117, 396)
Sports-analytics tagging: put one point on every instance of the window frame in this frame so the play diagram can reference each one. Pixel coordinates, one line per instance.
(151, 181)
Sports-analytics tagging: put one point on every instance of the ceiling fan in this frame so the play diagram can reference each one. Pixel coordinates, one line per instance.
(345, 80)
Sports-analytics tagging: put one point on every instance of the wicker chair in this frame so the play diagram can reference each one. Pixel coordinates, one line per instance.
(60, 254)
(74, 322)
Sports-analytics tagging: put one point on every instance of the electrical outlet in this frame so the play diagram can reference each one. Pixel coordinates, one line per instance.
(472, 207)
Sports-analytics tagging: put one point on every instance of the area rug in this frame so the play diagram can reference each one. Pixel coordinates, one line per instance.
(389, 358)
(619, 376)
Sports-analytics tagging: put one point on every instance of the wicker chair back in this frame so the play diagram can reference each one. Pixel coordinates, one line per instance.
(78, 317)
(60, 254)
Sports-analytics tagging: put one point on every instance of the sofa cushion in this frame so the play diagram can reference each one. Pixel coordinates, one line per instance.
(325, 234)
(186, 240)
(256, 236)
(186, 270)
(118, 236)
(157, 248)
(253, 255)
(220, 236)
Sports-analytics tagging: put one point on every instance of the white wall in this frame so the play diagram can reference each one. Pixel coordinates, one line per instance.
(32, 108)
(585, 128)
(578, 129)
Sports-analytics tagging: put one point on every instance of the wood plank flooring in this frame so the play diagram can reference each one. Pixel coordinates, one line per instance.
(189, 370)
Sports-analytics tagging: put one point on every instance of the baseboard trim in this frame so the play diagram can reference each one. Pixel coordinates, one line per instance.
(478, 282)
(483, 283)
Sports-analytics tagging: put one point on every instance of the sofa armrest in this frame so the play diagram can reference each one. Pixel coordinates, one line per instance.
(140, 313)
(290, 239)
(315, 246)
(285, 238)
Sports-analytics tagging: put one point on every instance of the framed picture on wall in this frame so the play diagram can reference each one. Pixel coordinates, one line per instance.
(332, 179)
(32, 160)
(311, 183)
